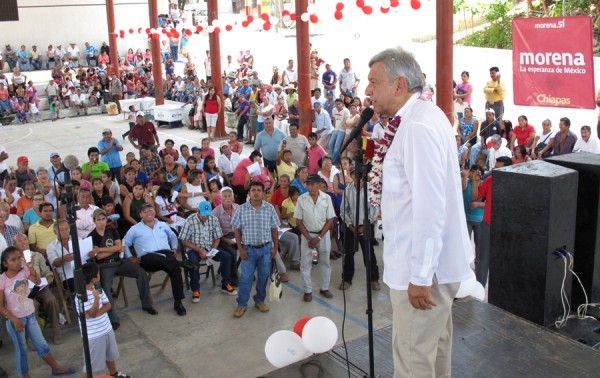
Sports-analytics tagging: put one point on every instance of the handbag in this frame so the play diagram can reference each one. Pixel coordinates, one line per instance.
(275, 287)
(540, 146)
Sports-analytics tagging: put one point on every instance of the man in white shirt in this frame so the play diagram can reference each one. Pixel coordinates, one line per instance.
(340, 115)
(85, 222)
(79, 101)
(73, 53)
(427, 250)
(229, 160)
(290, 75)
(498, 149)
(3, 164)
(348, 80)
(587, 143)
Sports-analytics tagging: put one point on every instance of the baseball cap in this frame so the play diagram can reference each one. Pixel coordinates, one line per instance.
(204, 208)
(226, 189)
(316, 103)
(490, 111)
(313, 178)
(22, 159)
(54, 154)
(97, 213)
(106, 131)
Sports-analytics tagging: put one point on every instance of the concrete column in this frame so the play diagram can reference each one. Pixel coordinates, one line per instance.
(159, 96)
(112, 40)
(444, 58)
(215, 65)
(303, 60)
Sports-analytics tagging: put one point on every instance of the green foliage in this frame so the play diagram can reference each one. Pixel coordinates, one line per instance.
(499, 32)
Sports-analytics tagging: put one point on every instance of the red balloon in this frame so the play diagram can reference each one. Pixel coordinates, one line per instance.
(293, 16)
(199, 28)
(217, 30)
(338, 15)
(245, 24)
(285, 12)
(265, 17)
(130, 31)
(168, 35)
(489, 145)
(299, 326)
(147, 30)
(122, 34)
(140, 30)
(173, 30)
(188, 32)
(367, 9)
(155, 36)
(339, 6)
(228, 27)
(314, 18)
(267, 26)
(176, 34)
(394, 3)
(360, 3)
(163, 30)
(415, 4)
(250, 18)
(384, 10)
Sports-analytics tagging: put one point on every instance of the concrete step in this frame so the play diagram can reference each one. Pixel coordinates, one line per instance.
(65, 113)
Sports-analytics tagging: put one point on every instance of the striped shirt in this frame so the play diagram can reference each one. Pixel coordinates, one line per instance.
(202, 234)
(99, 325)
(255, 224)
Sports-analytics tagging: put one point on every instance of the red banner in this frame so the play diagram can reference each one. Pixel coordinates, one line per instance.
(553, 62)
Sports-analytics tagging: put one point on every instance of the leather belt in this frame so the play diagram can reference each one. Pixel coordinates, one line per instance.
(496, 103)
(257, 246)
(107, 261)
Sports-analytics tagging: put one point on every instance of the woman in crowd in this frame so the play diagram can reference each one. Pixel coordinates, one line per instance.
(130, 56)
(542, 145)
(288, 207)
(506, 129)
(462, 94)
(474, 215)
(234, 143)
(193, 192)
(213, 172)
(214, 186)
(173, 172)
(340, 182)
(520, 155)
(300, 179)
(212, 108)
(327, 171)
(468, 128)
(463, 152)
(33, 215)
(132, 204)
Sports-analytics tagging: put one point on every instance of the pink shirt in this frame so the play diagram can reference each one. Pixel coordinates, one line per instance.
(314, 154)
(16, 290)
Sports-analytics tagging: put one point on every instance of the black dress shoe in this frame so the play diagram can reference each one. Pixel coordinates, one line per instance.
(180, 309)
(150, 310)
(188, 265)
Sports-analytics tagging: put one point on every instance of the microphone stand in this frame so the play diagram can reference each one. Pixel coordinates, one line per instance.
(80, 289)
(361, 171)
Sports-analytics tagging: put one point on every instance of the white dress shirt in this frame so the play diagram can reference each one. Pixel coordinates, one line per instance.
(592, 145)
(228, 165)
(85, 222)
(423, 218)
(494, 154)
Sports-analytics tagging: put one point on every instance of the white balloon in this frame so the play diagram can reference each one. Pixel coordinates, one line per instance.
(116, 31)
(204, 32)
(304, 17)
(478, 291)
(274, 20)
(210, 28)
(319, 334)
(385, 3)
(311, 9)
(466, 287)
(216, 23)
(286, 19)
(285, 347)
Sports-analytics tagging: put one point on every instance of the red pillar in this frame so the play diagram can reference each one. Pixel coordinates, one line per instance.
(303, 64)
(215, 64)
(444, 58)
(159, 96)
(112, 40)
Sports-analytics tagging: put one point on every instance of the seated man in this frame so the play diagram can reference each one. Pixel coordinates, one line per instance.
(42, 233)
(79, 101)
(43, 296)
(201, 234)
(60, 256)
(155, 246)
(107, 253)
(90, 54)
(224, 213)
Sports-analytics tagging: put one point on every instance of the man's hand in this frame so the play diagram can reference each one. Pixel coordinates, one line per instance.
(243, 253)
(135, 260)
(273, 251)
(420, 297)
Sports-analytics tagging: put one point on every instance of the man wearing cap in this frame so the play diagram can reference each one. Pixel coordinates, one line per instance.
(348, 80)
(56, 162)
(292, 96)
(107, 254)
(490, 126)
(201, 235)
(23, 173)
(155, 247)
(23, 57)
(73, 53)
(255, 225)
(494, 93)
(314, 218)
(268, 142)
(109, 150)
(329, 80)
(35, 57)
(78, 100)
(144, 132)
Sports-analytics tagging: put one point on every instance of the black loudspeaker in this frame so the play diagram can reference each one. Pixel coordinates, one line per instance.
(587, 232)
(533, 215)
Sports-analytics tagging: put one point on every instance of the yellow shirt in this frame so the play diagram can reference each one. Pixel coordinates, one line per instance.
(41, 236)
(494, 91)
(289, 207)
(284, 169)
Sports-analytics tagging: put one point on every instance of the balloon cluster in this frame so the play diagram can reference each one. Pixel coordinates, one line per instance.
(310, 335)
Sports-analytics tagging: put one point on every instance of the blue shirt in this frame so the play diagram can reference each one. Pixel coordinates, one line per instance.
(23, 55)
(169, 68)
(149, 240)
(329, 77)
(246, 91)
(90, 50)
(323, 121)
(299, 185)
(268, 145)
(30, 217)
(473, 215)
(112, 157)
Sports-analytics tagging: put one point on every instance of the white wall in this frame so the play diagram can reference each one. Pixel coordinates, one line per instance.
(44, 22)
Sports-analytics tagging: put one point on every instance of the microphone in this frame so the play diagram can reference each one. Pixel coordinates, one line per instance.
(68, 164)
(365, 116)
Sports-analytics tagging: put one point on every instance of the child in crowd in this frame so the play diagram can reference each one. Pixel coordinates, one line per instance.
(54, 109)
(103, 344)
(131, 120)
(36, 116)
(19, 310)
(20, 111)
(215, 186)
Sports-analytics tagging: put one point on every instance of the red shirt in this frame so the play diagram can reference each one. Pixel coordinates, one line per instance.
(144, 133)
(239, 175)
(314, 154)
(523, 134)
(211, 106)
(485, 192)
(277, 198)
